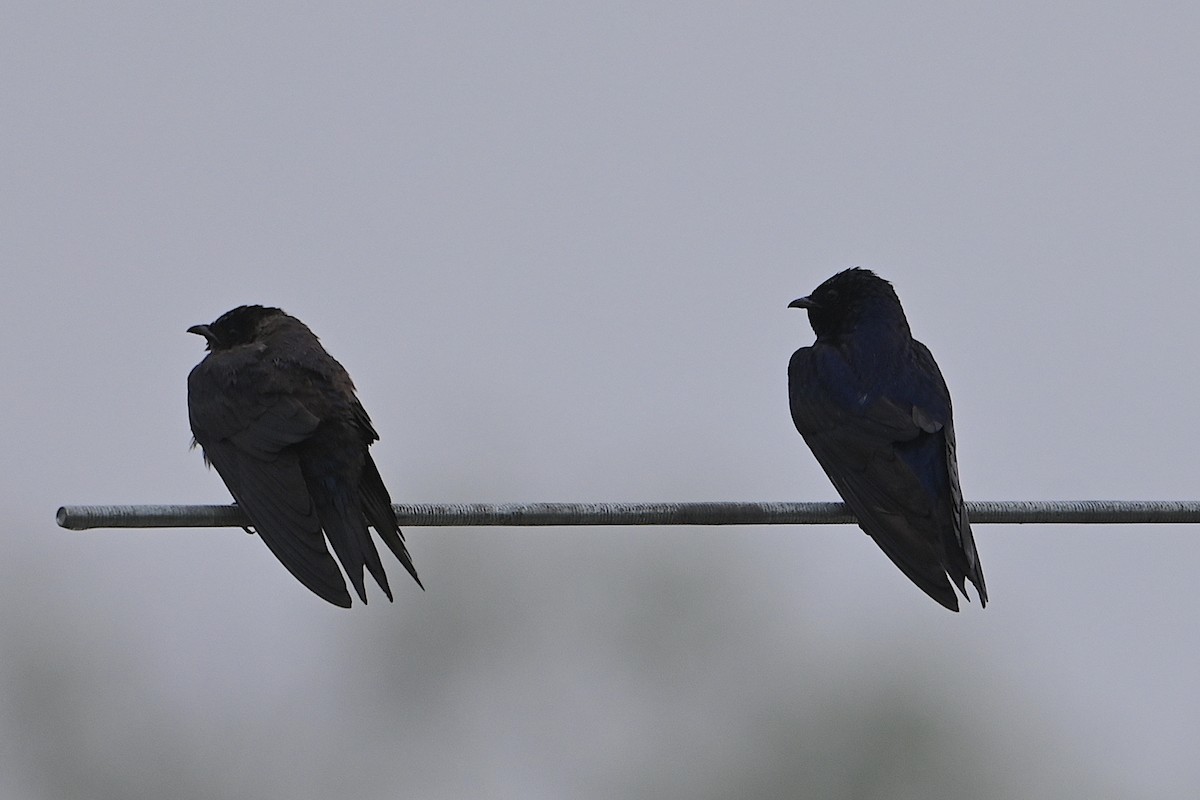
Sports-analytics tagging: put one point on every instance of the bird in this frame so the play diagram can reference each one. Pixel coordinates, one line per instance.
(873, 407)
(278, 419)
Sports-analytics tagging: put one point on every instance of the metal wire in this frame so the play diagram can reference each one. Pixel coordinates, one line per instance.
(1091, 512)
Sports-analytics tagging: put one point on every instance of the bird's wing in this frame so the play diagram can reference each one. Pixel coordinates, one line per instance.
(962, 559)
(873, 449)
(245, 425)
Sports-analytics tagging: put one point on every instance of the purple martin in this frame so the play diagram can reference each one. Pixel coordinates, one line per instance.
(278, 418)
(873, 407)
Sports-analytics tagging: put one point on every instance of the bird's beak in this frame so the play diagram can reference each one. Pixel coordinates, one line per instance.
(803, 302)
(202, 330)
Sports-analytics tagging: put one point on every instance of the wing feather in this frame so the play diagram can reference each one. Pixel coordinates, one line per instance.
(274, 497)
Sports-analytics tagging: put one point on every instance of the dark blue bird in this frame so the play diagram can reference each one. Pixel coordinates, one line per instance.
(871, 403)
(278, 418)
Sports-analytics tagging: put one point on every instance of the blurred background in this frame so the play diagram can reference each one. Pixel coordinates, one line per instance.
(554, 245)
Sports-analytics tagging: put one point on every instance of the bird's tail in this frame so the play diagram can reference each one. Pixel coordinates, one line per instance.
(342, 518)
(377, 506)
(963, 561)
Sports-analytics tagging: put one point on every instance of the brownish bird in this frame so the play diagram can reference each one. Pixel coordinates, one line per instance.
(278, 418)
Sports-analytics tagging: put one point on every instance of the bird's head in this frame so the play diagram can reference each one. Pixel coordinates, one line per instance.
(842, 302)
(237, 327)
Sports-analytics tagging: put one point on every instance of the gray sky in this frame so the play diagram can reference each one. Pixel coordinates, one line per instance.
(554, 244)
